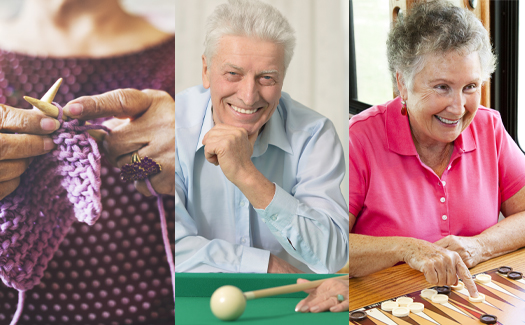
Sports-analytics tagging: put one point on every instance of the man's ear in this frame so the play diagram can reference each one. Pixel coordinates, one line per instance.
(401, 86)
(205, 78)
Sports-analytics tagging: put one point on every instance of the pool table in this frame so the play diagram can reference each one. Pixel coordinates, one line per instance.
(193, 292)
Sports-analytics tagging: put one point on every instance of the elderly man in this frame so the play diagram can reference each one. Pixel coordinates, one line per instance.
(257, 174)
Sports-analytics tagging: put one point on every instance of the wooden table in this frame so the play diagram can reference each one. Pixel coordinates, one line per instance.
(401, 279)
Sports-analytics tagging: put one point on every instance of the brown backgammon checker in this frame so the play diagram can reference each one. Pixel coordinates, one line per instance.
(515, 275)
(488, 319)
(443, 290)
(504, 269)
(357, 315)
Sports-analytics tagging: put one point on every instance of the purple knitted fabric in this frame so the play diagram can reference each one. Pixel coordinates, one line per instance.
(57, 189)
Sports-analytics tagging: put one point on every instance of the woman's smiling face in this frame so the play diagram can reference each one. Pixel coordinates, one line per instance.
(245, 80)
(444, 97)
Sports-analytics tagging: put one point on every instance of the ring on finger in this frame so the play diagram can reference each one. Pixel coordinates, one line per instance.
(139, 169)
(340, 298)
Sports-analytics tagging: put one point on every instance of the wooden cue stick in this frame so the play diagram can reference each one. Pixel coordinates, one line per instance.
(250, 295)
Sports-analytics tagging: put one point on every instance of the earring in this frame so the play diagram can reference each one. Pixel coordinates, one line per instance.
(404, 108)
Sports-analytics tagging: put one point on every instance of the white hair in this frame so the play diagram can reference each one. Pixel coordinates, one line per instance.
(436, 27)
(251, 18)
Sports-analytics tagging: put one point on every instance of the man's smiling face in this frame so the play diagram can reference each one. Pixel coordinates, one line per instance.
(245, 78)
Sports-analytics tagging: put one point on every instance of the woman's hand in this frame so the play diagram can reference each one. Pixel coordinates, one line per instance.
(439, 265)
(324, 297)
(469, 249)
(146, 125)
(17, 150)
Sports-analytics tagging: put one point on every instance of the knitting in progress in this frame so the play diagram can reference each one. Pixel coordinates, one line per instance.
(59, 187)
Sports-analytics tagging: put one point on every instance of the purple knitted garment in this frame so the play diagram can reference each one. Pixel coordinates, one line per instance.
(57, 189)
(114, 272)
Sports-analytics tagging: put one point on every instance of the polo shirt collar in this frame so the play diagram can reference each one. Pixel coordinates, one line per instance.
(399, 136)
(273, 132)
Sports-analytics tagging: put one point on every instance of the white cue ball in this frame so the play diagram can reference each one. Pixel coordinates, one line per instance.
(227, 303)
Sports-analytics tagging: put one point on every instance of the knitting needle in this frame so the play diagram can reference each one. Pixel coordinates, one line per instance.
(50, 95)
(52, 111)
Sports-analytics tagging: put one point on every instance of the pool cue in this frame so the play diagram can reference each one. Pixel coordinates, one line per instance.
(291, 288)
(51, 110)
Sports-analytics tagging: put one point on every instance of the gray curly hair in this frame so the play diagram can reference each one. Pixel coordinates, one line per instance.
(250, 18)
(436, 27)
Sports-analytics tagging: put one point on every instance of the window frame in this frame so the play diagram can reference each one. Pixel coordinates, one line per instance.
(356, 106)
(504, 20)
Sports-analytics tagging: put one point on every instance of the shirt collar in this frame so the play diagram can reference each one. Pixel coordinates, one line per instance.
(273, 132)
(207, 124)
(399, 136)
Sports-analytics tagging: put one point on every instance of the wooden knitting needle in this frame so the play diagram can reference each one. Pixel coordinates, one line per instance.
(287, 289)
(52, 111)
(50, 95)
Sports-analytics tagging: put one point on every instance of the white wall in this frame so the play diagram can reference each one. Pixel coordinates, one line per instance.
(318, 74)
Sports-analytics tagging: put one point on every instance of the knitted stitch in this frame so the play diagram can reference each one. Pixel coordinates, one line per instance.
(58, 188)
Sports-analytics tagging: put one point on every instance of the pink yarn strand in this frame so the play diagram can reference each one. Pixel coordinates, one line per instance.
(165, 238)
(19, 307)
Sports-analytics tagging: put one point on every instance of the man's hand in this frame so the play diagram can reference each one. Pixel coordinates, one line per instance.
(469, 249)
(324, 297)
(277, 265)
(230, 148)
(17, 150)
(440, 266)
(149, 129)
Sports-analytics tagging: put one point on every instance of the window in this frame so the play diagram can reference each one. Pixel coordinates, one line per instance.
(370, 81)
(521, 80)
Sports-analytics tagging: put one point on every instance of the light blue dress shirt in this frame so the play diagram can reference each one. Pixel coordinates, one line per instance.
(306, 223)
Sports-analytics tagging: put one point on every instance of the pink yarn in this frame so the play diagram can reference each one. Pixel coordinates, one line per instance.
(58, 188)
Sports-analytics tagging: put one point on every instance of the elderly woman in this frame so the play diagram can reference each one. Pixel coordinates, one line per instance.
(431, 170)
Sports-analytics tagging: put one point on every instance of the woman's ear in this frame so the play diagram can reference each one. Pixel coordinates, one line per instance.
(401, 86)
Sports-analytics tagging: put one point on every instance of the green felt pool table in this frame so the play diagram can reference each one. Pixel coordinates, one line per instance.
(193, 292)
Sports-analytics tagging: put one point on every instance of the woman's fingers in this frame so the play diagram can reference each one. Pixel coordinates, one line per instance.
(10, 169)
(8, 187)
(120, 103)
(17, 146)
(15, 120)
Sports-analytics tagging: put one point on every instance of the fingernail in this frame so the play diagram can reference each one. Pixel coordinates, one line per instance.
(297, 309)
(304, 309)
(314, 309)
(49, 124)
(48, 144)
(74, 109)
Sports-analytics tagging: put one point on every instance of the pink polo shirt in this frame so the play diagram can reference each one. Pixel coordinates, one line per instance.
(392, 193)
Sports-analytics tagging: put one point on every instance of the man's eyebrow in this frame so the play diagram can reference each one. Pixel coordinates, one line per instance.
(234, 66)
(269, 72)
(258, 73)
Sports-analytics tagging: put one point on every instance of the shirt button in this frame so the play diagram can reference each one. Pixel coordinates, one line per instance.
(444, 183)
(241, 204)
(444, 217)
(274, 217)
(442, 200)
(243, 240)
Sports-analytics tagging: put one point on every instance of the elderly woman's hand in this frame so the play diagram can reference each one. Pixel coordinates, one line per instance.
(146, 124)
(17, 150)
(469, 249)
(324, 297)
(439, 265)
